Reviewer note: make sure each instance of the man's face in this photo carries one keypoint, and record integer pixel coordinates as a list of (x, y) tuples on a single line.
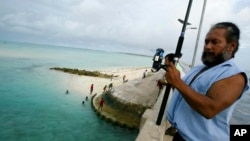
[(167, 63), (216, 49)]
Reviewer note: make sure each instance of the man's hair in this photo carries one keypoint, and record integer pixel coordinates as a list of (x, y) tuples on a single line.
[(170, 57), (232, 34)]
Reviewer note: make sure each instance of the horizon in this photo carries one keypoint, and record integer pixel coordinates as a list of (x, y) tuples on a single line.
[(239, 61)]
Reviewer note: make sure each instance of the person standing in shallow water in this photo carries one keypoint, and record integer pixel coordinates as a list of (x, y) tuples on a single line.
[(206, 96)]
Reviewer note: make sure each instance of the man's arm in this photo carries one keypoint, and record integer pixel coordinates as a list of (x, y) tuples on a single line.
[(221, 94)]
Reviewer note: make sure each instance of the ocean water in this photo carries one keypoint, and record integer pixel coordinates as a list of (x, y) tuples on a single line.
[(33, 106)]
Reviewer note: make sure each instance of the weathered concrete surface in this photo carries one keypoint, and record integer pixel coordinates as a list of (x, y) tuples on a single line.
[(141, 96), (126, 103), (140, 91), (149, 131)]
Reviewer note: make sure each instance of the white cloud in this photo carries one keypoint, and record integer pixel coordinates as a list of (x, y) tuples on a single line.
[(244, 21), (138, 23)]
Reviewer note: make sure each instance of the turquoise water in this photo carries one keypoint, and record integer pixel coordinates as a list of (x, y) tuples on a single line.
[(33, 106)]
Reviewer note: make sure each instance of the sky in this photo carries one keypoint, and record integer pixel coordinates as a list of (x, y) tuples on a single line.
[(137, 26)]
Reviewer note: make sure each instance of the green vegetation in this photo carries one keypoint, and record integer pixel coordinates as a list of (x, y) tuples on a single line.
[(82, 72)]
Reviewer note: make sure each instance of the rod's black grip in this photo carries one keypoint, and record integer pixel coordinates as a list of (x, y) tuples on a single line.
[(163, 105)]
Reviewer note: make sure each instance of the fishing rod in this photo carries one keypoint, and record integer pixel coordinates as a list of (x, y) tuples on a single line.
[(176, 59)]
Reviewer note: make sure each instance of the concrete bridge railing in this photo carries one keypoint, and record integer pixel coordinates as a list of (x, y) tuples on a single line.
[(149, 131)]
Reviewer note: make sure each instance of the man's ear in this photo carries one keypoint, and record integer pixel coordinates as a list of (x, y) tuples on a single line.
[(232, 46)]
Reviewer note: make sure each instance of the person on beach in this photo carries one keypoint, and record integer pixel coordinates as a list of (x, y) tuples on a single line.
[(101, 103), (104, 88), (144, 75), (204, 100), (110, 86), (67, 92), (124, 78), (91, 88), (111, 77)]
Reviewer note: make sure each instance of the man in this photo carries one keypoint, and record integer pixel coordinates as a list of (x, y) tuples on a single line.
[(203, 102), (170, 58)]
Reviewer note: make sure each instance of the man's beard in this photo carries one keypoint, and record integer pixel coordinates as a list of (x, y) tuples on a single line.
[(210, 59)]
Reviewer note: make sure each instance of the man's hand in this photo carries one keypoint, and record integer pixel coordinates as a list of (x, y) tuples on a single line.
[(173, 75)]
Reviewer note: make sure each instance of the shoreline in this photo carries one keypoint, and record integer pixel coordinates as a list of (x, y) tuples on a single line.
[(81, 83)]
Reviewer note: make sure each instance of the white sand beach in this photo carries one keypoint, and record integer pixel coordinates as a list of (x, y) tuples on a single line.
[(82, 84)]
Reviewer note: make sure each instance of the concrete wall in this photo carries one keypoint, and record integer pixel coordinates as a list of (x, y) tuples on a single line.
[(149, 131)]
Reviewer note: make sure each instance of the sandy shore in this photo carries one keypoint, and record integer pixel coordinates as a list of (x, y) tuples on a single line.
[(81, 84)]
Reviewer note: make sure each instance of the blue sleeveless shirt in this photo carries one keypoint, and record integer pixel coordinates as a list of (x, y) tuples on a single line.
[(190, 124)]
